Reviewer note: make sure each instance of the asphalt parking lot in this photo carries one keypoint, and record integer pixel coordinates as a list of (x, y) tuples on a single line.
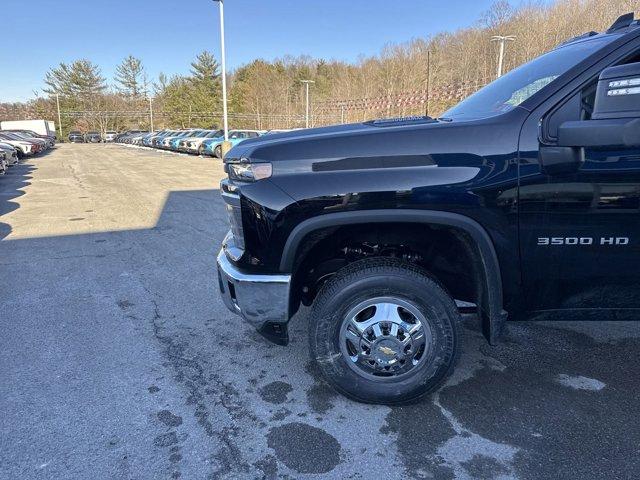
[(118, 360)]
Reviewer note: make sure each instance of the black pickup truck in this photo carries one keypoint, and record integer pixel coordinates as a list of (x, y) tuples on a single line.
[(523, 201)]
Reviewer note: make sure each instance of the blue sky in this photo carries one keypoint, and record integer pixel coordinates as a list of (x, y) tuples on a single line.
[(166, 35)]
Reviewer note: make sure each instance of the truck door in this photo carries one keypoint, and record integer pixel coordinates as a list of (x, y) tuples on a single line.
[(579, 198)]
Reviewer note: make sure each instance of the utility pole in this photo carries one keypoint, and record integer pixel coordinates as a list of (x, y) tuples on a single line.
[(150, 112), (306, 83), (59, 118), (502, 40), (426, 113)]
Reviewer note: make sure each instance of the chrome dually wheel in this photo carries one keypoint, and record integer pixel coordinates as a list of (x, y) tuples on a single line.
[(384, 331), (385, 337)]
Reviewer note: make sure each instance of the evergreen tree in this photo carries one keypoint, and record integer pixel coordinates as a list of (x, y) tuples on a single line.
[(205, 69), (130, 77), (175, 98), (205, 92), (80, 79)]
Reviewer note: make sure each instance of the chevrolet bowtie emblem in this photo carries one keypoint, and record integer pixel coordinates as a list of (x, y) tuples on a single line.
[(387, 351)]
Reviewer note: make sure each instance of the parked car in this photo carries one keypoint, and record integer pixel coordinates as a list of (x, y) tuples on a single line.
[(24, 147), (42, 144), (110, 135), (152, 139), (193, 143), (11, 153), (138, 138), (165, 143), (76, 136), (125, 137), (147, 139), (93, 137), (174, 144), (213, 146), (3, 162), (522, 200), (49, 140)]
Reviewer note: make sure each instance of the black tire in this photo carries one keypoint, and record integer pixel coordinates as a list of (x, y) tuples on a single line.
[(217, 152), (375, 278)]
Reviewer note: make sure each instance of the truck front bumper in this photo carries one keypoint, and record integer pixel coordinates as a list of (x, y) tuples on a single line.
[(262, 300)]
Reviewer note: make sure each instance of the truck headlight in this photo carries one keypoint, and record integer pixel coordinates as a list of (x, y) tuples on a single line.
[(249, 172)]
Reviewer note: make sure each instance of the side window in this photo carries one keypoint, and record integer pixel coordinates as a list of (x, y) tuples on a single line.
[(570, 110)]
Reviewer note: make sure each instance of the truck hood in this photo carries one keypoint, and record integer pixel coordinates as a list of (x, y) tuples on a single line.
[(302, 136), (408, 142)]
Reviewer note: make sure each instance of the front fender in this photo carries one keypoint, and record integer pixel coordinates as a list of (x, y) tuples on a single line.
[(491, 299)]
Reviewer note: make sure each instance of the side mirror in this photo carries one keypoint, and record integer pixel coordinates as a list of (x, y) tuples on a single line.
[(615, 121), (618, 93), (617, 132)]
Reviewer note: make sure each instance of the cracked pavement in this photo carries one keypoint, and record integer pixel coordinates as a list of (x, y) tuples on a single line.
[(118, 360)]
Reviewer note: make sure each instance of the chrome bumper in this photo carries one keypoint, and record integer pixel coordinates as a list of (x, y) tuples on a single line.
[(262, 300)]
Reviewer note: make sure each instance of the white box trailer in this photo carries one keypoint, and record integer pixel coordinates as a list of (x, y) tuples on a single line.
[(42, 127)]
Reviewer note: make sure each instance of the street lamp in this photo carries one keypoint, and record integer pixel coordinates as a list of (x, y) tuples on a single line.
[(224, 76), (306, 83), (502, 40)]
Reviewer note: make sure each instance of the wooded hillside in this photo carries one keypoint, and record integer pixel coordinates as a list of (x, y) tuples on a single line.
[(421, 75)]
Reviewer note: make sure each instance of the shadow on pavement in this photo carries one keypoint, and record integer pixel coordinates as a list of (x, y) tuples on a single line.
[(118, 360), (11, 185)]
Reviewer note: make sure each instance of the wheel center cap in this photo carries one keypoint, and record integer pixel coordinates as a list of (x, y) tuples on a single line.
[(387, 349)]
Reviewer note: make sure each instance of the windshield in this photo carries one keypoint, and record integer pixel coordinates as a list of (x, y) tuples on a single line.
[(513, 88), (11, 136)]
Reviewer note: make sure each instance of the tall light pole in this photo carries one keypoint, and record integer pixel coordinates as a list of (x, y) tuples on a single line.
[(502, 39), (224, 73), (150, 112), (59, 118), (306, 83)]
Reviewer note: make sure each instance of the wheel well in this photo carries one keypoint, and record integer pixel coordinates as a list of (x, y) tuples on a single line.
[(448, 253)]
